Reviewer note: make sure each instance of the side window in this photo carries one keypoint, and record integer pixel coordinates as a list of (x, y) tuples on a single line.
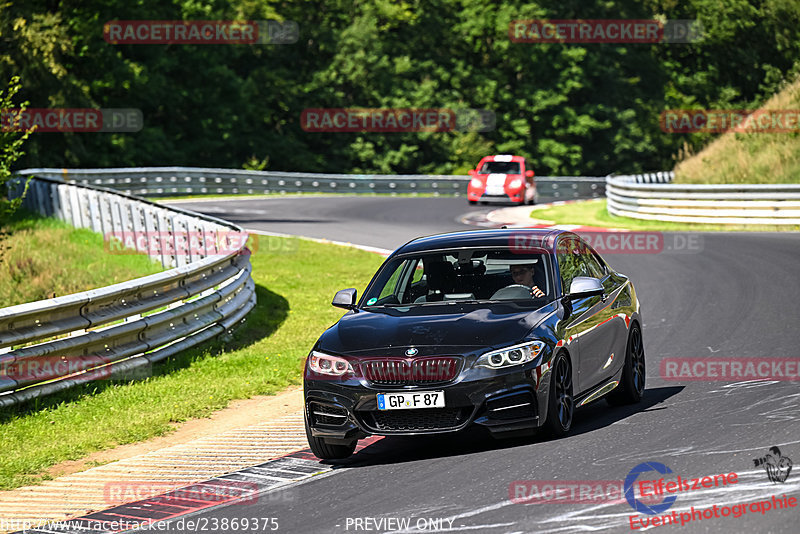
[(576, 259), (391, 284), (593, 264), (418, 273), (569, 265)]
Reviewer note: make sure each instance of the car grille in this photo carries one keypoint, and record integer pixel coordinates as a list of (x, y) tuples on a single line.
[(421, 371), (425, 419)]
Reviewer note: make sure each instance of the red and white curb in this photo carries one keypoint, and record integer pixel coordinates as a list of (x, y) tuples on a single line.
[(259, 483), (520, 217)]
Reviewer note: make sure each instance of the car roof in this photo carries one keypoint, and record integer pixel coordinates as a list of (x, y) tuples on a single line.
[(493, 238)]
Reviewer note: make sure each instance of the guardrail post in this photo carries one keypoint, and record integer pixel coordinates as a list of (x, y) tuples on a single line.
[(66, 206), (39, 196), (116, 217), (94, 212), (156, 245), (167, 239)]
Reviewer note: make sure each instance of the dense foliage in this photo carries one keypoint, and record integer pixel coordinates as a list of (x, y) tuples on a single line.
[(572, 109), (10, 151)]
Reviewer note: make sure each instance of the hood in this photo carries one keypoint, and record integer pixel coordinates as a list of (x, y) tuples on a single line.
[(498, 180), (469, 327)]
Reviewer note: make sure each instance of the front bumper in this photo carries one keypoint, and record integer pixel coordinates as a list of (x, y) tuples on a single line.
[(504, 197), (501, 401)]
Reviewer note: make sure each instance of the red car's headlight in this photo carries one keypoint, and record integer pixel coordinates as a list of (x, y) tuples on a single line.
[(475, 183)]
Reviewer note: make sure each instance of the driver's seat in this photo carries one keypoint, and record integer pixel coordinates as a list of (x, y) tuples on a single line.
[(441, 279)]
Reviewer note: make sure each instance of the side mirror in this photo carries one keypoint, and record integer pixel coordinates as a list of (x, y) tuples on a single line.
[(529, 173), (346, 298), (472, 172), (585, 286)]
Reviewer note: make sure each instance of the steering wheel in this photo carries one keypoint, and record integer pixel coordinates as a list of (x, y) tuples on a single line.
[(512, 292)]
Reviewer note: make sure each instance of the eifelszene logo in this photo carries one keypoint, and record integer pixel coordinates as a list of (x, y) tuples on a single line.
[(636, 504), (777, 466)]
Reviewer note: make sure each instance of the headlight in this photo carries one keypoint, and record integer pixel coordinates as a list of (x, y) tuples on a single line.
[(475, 183), (326, 364), (515, 355), (515, 184)]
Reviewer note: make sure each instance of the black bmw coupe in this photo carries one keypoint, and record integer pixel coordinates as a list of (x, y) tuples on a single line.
[(510, 329)]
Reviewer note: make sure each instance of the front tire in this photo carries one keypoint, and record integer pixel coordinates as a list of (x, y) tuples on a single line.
[(472, 202), (327, 451), (561, 403), (631, 385)]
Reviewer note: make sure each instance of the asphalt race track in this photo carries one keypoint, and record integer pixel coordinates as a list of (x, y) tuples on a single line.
[(384, 222), (737, 296)]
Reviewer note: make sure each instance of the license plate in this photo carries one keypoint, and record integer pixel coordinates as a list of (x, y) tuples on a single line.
[(411, 400)]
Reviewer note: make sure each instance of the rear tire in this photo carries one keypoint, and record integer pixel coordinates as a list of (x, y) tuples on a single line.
[(327, 451), (561, 403), (631, 386)]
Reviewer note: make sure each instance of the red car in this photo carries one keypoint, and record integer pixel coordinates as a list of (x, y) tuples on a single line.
[(502, 178)]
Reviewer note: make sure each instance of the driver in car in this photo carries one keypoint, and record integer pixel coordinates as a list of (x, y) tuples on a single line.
[(523, 275)]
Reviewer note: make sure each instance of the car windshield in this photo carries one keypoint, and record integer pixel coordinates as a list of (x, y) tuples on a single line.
[(500, 167), (486, 275)]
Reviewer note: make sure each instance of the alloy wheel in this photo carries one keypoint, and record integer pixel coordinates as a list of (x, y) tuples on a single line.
[(564, 397)]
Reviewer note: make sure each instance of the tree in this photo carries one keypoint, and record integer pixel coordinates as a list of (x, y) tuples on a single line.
[(11, 142)]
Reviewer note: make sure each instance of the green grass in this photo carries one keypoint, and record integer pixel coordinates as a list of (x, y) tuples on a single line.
[(594, 213), (41, 258), (749, 158), (294, 283)]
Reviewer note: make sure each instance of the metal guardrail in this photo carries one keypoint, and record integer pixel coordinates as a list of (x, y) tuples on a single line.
[(176, 181), (650, 177), (699, 203), (50, 345)]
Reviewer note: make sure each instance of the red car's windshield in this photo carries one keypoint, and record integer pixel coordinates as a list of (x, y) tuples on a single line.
[(500, 167)]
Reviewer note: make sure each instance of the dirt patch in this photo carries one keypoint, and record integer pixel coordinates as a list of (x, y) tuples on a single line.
[(240, 413)]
